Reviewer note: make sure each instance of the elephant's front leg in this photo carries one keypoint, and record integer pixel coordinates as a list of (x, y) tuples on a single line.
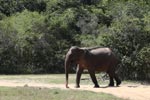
[(93, 77), (78, 76)]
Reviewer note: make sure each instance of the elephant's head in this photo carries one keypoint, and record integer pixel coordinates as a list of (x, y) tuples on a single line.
[(73, 56)]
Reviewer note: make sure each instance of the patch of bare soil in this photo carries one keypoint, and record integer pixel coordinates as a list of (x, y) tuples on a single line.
[(127, 91)]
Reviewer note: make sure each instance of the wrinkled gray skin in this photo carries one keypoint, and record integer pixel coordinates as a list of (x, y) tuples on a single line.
[(92, 59)]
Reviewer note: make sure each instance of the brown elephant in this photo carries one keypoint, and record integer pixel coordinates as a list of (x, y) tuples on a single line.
[(92, 59)]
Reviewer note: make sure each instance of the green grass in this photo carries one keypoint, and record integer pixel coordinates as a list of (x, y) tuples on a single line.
[(52, 78), (30, 93), (59, 79)]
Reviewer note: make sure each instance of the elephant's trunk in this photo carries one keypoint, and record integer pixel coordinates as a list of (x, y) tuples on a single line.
[(67, 64)]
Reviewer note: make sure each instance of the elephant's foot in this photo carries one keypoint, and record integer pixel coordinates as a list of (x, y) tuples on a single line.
[(118, 83), (96, 86), (111, 85), (77, 86), (67, 86)]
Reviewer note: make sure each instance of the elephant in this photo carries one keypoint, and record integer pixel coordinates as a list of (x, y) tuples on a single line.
[(98, 59)]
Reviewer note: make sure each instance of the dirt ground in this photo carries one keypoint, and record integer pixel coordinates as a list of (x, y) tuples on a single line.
[(127, 91)]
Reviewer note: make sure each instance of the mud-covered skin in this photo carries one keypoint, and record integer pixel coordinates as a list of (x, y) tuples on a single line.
[(96, 59)]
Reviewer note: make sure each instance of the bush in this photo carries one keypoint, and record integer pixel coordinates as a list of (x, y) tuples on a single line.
[(143, 68), (127, 36), (17, 41), (36, 43), (9, 7)]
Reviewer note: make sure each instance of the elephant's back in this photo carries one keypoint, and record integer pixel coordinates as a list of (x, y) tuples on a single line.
[(102, 56), (101, 51)]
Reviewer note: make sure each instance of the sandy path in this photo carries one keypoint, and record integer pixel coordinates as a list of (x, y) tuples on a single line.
[(132, 91)]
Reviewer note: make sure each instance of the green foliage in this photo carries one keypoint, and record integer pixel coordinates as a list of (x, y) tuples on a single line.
[(143, 66), (18, 40), (144, 55), (9, 7), (128, 36), (146, 20), (38, 42), (129, 29)]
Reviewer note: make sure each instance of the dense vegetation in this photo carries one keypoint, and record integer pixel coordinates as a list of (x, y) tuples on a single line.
[(36, 34)]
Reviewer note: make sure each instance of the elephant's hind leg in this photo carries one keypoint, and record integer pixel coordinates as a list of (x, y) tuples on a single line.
[(111, 80), (118, 81), (112, 76), (93, 77)]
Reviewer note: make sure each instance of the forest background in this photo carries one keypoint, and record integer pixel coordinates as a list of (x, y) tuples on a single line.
[(36, 34)]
